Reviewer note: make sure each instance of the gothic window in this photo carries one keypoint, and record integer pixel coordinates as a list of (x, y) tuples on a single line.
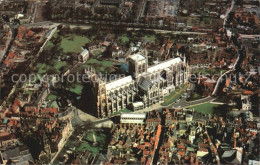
[(130, 99), (143, 67), (139, 69), (102, 91), (104, 101), (152, 77), (110, 94), (116, 92)]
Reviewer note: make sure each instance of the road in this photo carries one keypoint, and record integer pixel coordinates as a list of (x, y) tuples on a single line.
[(35, 11), (45, 24), (185, 104), (169, 31), (228, 11), (141, 9), (9, 40)]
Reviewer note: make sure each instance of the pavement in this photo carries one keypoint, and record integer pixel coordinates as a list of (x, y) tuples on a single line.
[(45, 24), (85, 117)]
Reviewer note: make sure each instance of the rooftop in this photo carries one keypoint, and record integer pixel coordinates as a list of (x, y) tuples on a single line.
[(119, 82), (164, 65), (137, 57), (84, 52), (131, 115)]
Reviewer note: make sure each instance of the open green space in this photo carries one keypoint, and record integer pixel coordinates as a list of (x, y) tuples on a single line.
[(97, 52), (150, 38), (77, 88), (42, 68), (59, 64), (99, 66), (88, 141), (124, 39), (174, 95), (28, 92), (52, 97), (211, 71), (207, 108), (70, 43), (73, 43), (56, 66), (54, 104)]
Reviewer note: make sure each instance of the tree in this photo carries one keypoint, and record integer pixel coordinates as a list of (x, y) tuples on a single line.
[(56, 40), (222, 110), (77, 30), (51, 71)]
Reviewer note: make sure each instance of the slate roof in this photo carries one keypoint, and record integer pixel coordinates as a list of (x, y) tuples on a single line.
[(145, 84)]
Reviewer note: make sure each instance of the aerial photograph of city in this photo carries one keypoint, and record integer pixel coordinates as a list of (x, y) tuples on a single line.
[(149, 82)]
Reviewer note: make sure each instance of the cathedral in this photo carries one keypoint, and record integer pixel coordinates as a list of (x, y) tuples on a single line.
[(145, 85)]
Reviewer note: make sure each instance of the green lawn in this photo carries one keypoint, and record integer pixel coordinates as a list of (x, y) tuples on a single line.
[(97, 52), (52, 97), (54, 104), (207, 108), (28, 92), (149, 38), (88, 145), (121, 111), (42, 68), (99, 66), (59, 64), (73, 43), (174, 95), (124, 39), (211, 71), (77, 89)]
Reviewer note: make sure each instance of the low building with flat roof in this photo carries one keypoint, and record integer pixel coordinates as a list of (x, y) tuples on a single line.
[(132, 118)]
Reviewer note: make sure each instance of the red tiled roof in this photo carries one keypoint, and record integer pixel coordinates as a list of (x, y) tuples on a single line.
[(203, 149), (247, 92), (50, 110), (153, 120), (202, 145)]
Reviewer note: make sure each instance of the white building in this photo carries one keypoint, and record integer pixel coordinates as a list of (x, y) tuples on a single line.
[(246, 103), (138, 105), (132, 118), (83, 56)]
